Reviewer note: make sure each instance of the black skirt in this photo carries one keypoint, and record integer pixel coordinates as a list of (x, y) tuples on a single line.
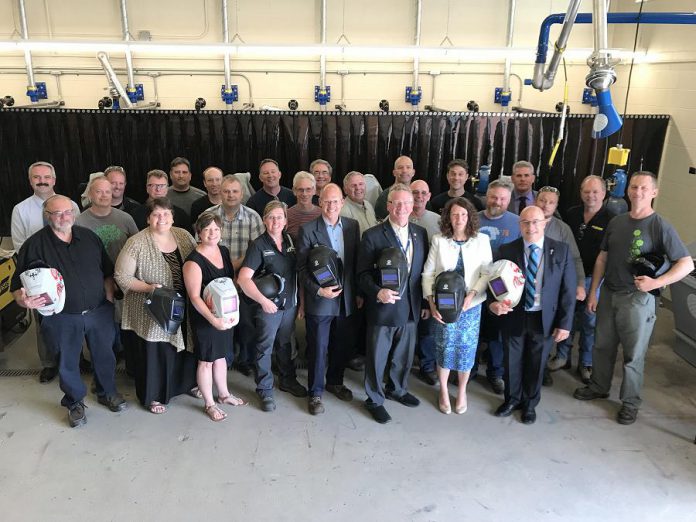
[(160, 371)]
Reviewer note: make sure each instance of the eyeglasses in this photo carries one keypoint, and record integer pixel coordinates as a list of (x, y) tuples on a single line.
[(549, 188), (533, 222), (61, 213), (158, 186)]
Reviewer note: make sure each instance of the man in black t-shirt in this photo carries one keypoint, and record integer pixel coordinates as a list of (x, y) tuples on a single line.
[(457, 175)]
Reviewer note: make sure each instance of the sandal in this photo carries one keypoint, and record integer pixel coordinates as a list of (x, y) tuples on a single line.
[(157, 408), (232, 400), (215, 413), (195, 392)]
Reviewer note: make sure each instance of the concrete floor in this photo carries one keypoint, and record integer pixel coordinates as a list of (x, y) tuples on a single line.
[(575, 463)]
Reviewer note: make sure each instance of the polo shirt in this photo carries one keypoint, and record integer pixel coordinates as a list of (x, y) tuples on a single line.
[(263, 256), (259, 200), (437, 203), (588, 236), (83, 263)]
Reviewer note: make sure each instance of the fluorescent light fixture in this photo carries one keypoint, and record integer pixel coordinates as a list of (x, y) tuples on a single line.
[(468, 54)]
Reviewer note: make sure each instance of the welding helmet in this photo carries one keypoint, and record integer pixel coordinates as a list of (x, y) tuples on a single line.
[(166, 306), (392, 270), (652, 265), (222, 298), (40, 280), (506, 282), (271, 286), (450, 292), (325, 265)]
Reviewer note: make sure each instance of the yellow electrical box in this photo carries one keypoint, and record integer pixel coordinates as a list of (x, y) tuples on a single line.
[(7, 268), (618, 156)]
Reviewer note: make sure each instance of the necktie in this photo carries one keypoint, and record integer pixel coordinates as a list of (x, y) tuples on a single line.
[(530, 277), (522, 204)]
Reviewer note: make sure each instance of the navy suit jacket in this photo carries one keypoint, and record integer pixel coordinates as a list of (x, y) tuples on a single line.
[(314, 233), (557, 287), (374, 240)]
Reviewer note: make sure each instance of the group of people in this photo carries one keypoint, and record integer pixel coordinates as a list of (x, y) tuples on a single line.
[(117, 252)]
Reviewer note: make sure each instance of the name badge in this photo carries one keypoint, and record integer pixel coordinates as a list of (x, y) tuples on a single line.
[(267, 253)]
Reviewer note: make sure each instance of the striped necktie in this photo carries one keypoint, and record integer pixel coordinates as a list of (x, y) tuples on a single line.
[(530, 276)]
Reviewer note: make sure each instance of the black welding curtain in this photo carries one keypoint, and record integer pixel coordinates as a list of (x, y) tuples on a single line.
[(78, 142)]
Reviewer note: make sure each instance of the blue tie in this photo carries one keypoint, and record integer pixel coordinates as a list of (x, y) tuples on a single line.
[(530, 276)]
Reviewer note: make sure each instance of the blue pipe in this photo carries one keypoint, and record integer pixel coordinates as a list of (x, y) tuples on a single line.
[(612, 18)]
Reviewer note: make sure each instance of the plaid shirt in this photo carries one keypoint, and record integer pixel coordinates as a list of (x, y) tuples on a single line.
[(239, 231)]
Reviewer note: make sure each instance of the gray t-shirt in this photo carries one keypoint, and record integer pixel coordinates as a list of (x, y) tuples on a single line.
[(113, 230), (560, 231), (430, 221), (627, 238), (184, 200)]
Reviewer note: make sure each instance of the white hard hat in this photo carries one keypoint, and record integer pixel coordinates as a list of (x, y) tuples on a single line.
[(221, 296), (47, 283), (506, 281)]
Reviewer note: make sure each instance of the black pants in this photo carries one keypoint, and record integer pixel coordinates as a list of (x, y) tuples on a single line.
[(525, 360), (64, 332), (327, 350)]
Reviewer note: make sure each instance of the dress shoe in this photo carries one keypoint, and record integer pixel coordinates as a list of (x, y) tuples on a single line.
[(497, 384), (47, 375), (506, 409), (268, 404), (340, 391), (76, 415), (445, 407), (429, 378), (380, 414), (585, 373), (627, 415), (587, 394), (547, 380), (114, 402), (406, 399), (357, 364), (293, 388), (528, 416), (315, 406), (557, 363)]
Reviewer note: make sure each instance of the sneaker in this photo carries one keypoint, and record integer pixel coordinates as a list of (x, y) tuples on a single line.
[(114, 402), (76, 414), (315, 406), (47, 375), (293, 388), (497, 384), (557, 363), (627, 415), (585, 374), (268, 404), (588, 394)]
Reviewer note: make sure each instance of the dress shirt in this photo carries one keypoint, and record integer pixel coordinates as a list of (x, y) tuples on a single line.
[(539, 275), (336, 237), (27, 219), (405, 241), (239, 231)]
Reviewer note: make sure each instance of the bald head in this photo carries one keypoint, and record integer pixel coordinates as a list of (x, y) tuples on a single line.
[(331, 202), (421, 196), (403, 170), (59, 212), (532, 224)]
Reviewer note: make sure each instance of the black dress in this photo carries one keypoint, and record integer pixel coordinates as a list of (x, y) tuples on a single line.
[(210, 343)]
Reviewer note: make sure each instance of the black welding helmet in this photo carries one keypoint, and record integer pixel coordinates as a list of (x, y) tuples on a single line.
[(271, 286), (325, 265), (651, 265), (450, 292), (166, 306), (392, 270)]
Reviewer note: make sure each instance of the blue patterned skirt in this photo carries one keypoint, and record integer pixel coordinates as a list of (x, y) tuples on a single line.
[(456, 343)]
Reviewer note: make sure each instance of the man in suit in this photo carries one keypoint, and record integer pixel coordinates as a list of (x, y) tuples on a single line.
[(523, 178), (392, 318), (543, 316), (328, 310)]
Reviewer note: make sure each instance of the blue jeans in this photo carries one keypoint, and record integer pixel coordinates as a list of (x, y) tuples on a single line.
[(585, 321)]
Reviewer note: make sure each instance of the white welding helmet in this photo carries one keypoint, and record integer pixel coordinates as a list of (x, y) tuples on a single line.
[(47, 283), (221, 296), (506, 282)]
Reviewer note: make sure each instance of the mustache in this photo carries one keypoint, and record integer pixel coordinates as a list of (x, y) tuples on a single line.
[(42, 184)]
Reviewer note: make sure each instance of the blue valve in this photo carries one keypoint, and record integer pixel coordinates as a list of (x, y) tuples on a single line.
[(229, 96), (413, 96), (589, 97), (502, 97), (38, 92), (135, 94), (322, 96)]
